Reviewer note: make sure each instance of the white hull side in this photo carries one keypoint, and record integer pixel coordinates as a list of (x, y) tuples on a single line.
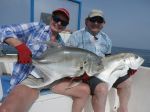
[(139, 101)]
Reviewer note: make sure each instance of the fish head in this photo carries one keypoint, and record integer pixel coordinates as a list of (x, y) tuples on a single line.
[(133, 61)]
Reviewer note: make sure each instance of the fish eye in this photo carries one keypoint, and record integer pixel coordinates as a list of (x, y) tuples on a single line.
[(136, 56), (85, 62), (81, 68)]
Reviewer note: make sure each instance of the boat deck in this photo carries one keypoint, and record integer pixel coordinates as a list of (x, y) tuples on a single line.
[(139, 101)]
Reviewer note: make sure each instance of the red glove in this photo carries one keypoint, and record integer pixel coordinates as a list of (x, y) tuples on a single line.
[(131, 72), (24, 54)]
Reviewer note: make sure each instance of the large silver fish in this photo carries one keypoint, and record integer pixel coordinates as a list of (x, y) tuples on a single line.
[(59, 62), (117, 65)]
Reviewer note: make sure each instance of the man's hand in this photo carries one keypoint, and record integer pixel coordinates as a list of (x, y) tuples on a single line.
[(24, 54), (131, 72)]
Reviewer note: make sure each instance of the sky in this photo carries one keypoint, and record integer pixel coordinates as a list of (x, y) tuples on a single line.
[(127, 21)]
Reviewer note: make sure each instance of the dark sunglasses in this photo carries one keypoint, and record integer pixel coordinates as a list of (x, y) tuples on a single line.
[(96, 19), (57, 19)]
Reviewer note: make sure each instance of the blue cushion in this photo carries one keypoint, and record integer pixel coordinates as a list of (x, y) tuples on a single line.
[(5, 84)]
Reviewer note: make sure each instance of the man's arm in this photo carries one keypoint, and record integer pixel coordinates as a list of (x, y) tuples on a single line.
[(13, 41), (14, 35), (24, 53)]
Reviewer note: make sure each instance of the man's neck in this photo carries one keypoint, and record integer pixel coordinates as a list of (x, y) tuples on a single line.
[(54, 36), (92, 33)]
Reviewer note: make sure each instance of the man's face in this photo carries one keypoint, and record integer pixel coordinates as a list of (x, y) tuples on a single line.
[(95, 24), (58, 22)]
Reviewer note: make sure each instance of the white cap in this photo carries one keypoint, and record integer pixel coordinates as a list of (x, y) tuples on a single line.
[(96, 12)]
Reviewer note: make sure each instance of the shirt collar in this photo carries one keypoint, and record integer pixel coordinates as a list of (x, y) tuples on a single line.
[(90, 34)]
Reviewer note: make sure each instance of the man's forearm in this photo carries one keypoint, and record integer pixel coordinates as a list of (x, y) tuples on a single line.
[(13, 42)]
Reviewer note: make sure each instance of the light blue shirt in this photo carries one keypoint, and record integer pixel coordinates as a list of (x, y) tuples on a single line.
[(83, 39)]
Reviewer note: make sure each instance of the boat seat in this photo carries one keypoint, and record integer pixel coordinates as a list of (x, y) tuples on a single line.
[(4, 85)]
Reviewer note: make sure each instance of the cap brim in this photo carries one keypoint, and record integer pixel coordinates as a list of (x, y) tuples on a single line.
[(57, 11)]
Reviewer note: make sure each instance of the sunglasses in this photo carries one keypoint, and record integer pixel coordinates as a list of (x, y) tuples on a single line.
[(57, 19), (96, 19)]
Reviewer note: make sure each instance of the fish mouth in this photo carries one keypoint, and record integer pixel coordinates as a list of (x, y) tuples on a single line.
[(141, 61), (137, 63)]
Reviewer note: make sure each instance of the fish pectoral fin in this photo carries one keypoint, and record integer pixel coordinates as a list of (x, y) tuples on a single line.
[(120, 71), (37, 78), (40, 79)]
